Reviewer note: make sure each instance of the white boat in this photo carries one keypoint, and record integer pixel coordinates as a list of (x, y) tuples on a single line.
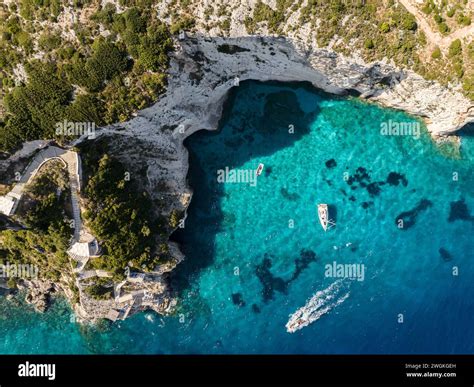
[(259, 170), (323, 215), (317, 306)]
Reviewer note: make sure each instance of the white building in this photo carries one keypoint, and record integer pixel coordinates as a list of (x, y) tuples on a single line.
[(7, 204), (85, 249)]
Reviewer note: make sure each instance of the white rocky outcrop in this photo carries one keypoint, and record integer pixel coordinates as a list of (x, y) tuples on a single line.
[(204, 69)]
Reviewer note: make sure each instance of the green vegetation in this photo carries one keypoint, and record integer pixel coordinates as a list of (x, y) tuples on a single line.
[(35, 107), (120, 216), (182, 23), (455, 48), (87, 75), (436, 54), (463, 20), (92, 78), (101, 289), (378, 28), (369, 44), (106, 61), (46, 240), (448, 15), (455, 53)]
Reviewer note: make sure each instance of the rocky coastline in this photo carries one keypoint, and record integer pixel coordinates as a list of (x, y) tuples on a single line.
[(202, 72)]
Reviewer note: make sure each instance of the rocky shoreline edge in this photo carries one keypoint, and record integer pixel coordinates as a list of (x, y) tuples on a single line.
[(202, 72)]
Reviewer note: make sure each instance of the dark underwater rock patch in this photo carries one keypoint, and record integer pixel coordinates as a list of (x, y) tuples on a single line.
[(272, 283), (238, 300), (460, 211), (395, 178), (255, 308), (374, 188), (289, 195), (301, 263), (409, 217), (366, 205), (445, 255), (229, 218), (360, 176), (331, 163), (362, 179)]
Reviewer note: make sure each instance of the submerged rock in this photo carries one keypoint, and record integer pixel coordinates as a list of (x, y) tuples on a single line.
[(270, 282), (331, 163), (445, 255), (237, 299), (460, 211), (289, 195), (407, 219), (255, 308), (395, 178)]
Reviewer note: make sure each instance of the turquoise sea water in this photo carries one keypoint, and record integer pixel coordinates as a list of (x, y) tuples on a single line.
[(255, 254)]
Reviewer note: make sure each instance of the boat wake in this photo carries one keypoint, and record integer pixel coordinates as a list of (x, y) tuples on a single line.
[(321, 303)]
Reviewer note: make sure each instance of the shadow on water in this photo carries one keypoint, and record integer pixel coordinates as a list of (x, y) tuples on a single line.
[(467, 130), (256, 122), (332, 213)]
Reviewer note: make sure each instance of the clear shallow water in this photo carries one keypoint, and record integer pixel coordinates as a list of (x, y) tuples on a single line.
[(239, 229)]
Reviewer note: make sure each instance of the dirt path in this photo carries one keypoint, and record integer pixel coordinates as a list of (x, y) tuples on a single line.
[(435, 38)]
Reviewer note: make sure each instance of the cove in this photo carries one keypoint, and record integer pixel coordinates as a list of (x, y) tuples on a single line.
[(256, 253)]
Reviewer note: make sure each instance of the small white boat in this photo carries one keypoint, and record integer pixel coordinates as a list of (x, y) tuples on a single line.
[(323, 215), (259, 170)]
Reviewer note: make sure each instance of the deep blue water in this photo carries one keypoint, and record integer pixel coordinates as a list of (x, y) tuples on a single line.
[(255, 254)]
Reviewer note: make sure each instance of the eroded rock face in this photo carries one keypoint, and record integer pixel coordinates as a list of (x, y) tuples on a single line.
[(202, 73), (38, 293)]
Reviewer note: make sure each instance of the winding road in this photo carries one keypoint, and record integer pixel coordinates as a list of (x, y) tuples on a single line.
[(71, 161)]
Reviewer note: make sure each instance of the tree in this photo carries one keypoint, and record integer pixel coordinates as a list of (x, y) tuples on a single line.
[(369, 44), (385, 27), (119, 215), (409, 22), (134, 21), (154, 48), (455, 48), (436, 54), (443, 28), (107, 61)]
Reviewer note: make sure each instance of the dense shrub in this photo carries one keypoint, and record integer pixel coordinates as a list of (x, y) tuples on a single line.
[(455, 48), (436, 54), (120, 217)]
